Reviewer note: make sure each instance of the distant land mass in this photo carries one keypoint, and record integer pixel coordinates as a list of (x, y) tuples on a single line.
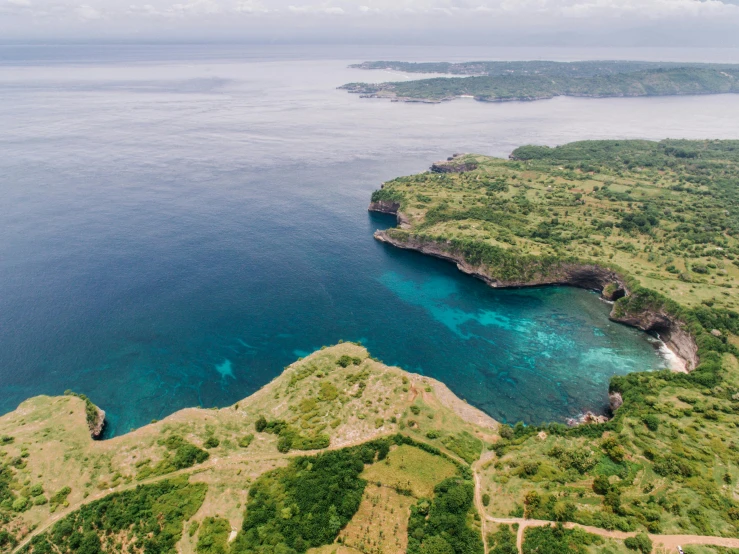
[(493, 81)]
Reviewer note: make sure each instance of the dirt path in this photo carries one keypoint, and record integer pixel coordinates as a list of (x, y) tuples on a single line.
[(188, 471), (669, 542), (479, 505)]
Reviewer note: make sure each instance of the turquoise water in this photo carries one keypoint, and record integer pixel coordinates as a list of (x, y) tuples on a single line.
[(174, 233)]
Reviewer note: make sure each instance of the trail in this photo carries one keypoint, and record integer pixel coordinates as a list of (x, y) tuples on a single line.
[(479, 505), (209, 464), (671, 542)]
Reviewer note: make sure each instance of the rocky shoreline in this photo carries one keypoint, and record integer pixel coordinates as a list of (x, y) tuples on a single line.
[(607, 282), (98, 425)]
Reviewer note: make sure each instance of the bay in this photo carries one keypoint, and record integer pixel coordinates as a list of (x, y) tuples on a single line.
[(178, 223)]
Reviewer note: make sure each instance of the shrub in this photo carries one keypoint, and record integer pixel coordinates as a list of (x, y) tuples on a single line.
[(21, 504), (245, 441), (6, 539), (444, 518), (213, 536), (506, 432), (346, 361), (261, 424), (601, 485), (211, 442), (652, 422), (613, 449), (503, 541), (640, 542), (486, 499), (558, 540), (188, 455), (60, 496)]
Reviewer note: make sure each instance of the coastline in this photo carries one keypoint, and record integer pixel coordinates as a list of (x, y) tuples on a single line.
[(677, 345)]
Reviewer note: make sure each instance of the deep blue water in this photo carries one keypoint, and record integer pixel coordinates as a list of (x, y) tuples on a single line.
[(175, 229)]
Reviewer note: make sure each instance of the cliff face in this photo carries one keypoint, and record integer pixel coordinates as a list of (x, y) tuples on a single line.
[(96, 426), (450, 166), (672, 333), (392, 208), (584, 276), (589, 276)]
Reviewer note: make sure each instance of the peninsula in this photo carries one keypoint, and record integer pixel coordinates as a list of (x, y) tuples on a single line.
[(538, 80)]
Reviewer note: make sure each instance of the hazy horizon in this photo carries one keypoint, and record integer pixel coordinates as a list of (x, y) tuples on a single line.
[(669, 23)]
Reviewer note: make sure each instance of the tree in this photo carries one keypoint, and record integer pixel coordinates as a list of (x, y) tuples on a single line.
[(640, 542), (601, 485), (436, 545)]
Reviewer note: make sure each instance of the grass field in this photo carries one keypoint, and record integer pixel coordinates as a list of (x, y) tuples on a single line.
[(410, 469)]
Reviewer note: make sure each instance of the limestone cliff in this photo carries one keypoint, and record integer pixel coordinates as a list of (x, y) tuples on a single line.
[(608, 282)]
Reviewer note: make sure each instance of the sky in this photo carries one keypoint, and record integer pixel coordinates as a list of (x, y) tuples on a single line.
[(686, 23)]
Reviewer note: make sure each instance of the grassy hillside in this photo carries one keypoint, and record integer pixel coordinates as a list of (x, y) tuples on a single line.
[(662, 216), (504, 81), (338, 397), (667, 211)]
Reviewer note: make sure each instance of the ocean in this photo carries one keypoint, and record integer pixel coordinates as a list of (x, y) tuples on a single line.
[(179, 223)]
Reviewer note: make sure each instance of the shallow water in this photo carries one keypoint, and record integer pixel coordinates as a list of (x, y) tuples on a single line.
[(176, 225)]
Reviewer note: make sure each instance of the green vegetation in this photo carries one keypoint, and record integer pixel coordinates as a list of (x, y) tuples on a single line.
[(658, 210), (91, 411), (246, 440), (213, 536), (640, 542), (503, 81), (442, 524), (410, 470), (558, 540), (464, 445), (180, 454), (48, 462), (149, 517), (503, 541), (556, 70), (307, 503), (290, 438)]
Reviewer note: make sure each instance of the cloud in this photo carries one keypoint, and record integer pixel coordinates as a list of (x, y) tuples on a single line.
[(88, 13), (385, 20), (250, 7), (320, 9)]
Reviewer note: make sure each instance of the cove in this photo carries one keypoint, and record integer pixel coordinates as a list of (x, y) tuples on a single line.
[(179, 240)]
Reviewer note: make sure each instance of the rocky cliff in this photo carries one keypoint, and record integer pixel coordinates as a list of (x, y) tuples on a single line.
[(97, 425), (610, 284), (391, 208)]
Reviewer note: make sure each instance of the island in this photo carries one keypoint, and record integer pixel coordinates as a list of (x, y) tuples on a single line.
[(344, 454), (538, 80)]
